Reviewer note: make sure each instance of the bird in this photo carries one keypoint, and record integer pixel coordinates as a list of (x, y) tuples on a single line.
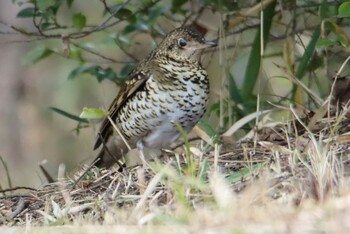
[(169, 87)]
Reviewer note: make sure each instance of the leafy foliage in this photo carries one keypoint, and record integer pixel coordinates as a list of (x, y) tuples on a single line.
[(91, 113), (344, 10), (97, 71), (37, 54), (275, 32)]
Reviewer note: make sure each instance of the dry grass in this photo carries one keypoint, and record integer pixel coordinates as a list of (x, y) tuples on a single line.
[(291, 178)]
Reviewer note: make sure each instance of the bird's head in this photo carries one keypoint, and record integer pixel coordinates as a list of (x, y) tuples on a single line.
[(185, 43)]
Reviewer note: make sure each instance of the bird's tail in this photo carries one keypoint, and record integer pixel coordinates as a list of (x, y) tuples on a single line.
[(109, 155)]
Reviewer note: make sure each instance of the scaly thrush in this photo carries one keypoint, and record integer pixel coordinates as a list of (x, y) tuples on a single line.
[(169, 87)]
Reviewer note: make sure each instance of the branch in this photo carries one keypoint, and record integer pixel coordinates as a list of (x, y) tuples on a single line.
[(250, 12), (77, 35), (98, 54)]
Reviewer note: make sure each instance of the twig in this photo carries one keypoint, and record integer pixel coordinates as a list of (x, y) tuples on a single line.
[(251, 11), (37, 26), (182, 143), (119, 132), (17, 188), (21, 205), (99, 55), (77, 35)]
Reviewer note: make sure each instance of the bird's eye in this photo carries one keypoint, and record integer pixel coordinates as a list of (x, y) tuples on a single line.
[(182, 42)]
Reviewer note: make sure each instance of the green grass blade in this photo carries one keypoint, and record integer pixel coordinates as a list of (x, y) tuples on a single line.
[(4, 165), (233, 90), (237, 98), (203, 172), (238, 176), (190, 165), (253, 68), (309, 51), (68, 115), (254, 61), (307, 56)]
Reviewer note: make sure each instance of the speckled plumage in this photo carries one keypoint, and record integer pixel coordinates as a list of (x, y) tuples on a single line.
[(170, 86)]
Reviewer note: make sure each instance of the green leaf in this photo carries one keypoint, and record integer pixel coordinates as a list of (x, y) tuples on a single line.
[(139, 25), (81, 70), (38, 53), (123, 13), (342, 40), (327, 10), (69, 3), (330, 26), (155, 13), (235, 177), (238, 176), (176, 6), (76, 53), (315, 62), (125, 71), (79, 21), (92, 113), (49, 15), (230, 5), (68, 115), (46, 25), (147, 2), (105, 74), (253, 66), (324, 43), (26, 13), (44, 4), (97, 71), (209, 130), (344, 10)]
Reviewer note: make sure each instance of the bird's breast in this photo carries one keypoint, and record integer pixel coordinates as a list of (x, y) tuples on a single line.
[(182, 101), (179, 97)]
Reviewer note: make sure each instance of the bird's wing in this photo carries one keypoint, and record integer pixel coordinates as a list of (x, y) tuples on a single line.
[(134, 84)]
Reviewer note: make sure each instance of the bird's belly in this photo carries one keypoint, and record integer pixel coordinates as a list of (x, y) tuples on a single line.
[(152, 118), (161, 136), (165, 130), (186, 111)]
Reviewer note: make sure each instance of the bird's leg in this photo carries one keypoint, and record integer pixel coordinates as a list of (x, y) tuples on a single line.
[(164, 154), (140, 146)]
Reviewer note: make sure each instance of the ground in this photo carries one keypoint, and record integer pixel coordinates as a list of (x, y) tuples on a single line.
[(291, 177)]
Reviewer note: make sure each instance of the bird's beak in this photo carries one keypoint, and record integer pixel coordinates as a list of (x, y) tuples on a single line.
[(212, 43)]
